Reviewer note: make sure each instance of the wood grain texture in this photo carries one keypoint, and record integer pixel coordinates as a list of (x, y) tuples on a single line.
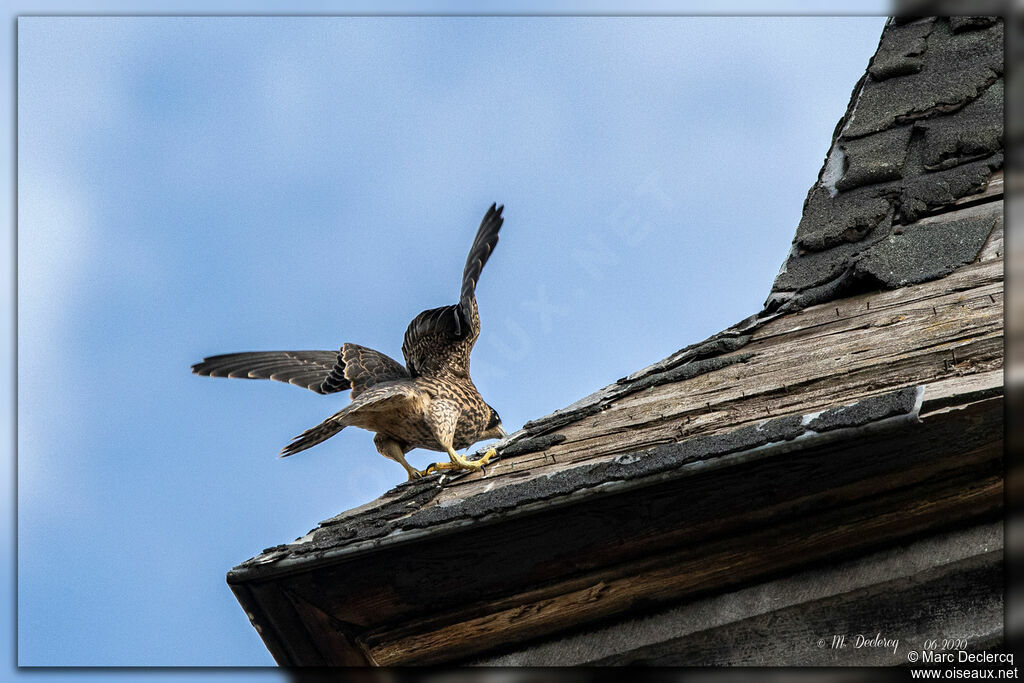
[(826, 355), (785, 611)]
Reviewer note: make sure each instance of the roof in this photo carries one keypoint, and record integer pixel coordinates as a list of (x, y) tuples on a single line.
[(924, 131), (875, 364)]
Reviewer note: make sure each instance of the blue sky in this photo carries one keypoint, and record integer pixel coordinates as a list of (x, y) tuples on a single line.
[(192, 186)]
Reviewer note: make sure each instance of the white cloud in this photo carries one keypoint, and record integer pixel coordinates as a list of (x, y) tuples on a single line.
[(53, 248)]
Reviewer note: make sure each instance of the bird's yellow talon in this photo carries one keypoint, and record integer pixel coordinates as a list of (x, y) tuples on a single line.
[(487, 456), (439, 466)]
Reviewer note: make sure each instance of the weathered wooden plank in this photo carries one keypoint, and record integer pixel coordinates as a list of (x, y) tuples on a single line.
[(689, 572), (279, 634), (942, 393), (334, 646), (994, 246), (684, 416), (706, 404), (916, 333), (914, 323)]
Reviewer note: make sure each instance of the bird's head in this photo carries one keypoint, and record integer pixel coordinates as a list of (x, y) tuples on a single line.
[(494, 429)]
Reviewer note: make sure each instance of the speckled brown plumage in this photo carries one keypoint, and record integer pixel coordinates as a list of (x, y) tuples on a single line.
[(430, 402)]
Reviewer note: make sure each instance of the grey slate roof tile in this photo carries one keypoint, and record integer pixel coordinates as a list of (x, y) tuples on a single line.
[(957, 68), (959, 24), (901, 49), (920, 195), (816, 268), (926, 251), (875, 159), (976, 131), (829, 222)]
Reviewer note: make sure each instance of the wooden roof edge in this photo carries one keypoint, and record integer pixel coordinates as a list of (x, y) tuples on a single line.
[(747, 518), (893, 466), (762, 440)]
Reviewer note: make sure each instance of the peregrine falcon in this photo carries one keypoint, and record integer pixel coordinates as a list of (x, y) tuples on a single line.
[(430, 402)]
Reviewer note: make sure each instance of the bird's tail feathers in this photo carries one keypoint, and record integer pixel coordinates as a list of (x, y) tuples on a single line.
[(373, 399), (314, 435)]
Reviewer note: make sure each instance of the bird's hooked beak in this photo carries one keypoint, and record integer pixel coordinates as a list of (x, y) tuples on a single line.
[(495, 432)]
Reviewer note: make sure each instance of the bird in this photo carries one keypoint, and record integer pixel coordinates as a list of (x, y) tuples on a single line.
[(430, 402)]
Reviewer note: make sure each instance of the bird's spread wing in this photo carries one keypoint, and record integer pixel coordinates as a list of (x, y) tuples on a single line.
[(383, 397), (483, 246), (325, 372), (306, 369), (438, 341), (360, 368)]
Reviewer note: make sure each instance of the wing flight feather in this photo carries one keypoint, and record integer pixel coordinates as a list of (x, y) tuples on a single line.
[(438, 341)]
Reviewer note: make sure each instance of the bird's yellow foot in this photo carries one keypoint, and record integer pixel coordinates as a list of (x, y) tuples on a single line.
[(487, 456), (439, 466), (460, 463), (463, 464)]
